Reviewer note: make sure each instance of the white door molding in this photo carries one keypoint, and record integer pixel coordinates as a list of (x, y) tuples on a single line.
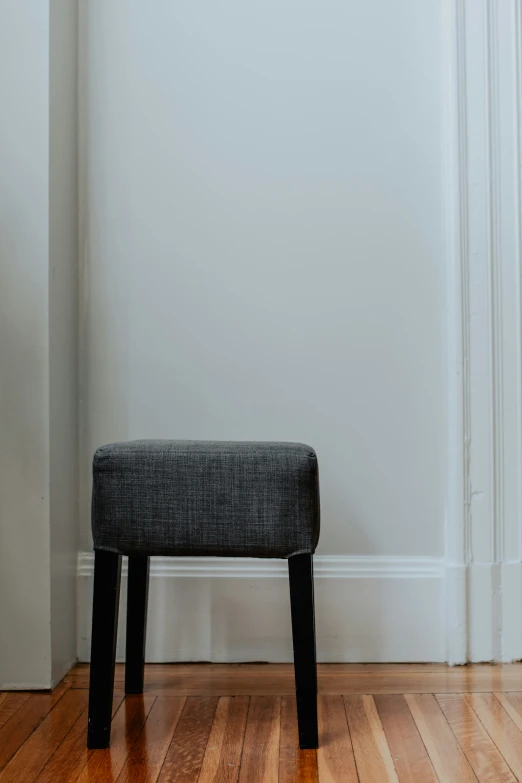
[(483, 146)]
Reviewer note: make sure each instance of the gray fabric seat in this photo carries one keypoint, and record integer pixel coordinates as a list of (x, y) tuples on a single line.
[(228, 499)]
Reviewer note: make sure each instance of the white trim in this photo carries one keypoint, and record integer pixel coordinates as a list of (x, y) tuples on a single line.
[(26, 686), (368, 609), (483, 154), (516, 537), (63, 670), (458, 518), (511, 611), (495, 284), (325, 566)]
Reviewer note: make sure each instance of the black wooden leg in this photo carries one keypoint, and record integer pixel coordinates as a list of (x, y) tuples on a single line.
[(137, 594), (300, 570), (107, 571)]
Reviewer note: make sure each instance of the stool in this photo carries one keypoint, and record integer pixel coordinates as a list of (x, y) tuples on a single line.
[(198, 498)]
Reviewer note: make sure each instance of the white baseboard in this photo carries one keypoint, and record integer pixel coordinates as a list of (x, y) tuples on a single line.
[(495, 612), (511, 610), (368, 609), (61, 671), (484, 612)]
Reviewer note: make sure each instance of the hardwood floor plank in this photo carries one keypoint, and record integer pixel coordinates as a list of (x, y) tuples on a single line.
[(410, 757), (106, 765), (32, 756), (295, 765), (10, 703), (146, 757), (470, 734), (222, 758), (480, 750), (500, 727), (26, 719), (335, 758), (447, 757), (260, 758), (372, 755), (185, 755), (66, 764), (512, 703)]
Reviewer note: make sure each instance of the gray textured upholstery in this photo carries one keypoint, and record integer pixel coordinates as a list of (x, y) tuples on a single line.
[(205, 498)]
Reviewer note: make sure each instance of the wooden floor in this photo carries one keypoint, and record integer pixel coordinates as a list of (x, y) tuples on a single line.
[(223, 723)]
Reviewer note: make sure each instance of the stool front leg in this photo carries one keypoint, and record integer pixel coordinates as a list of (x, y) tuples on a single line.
[(107, 573), (137, 599), (300, 570)]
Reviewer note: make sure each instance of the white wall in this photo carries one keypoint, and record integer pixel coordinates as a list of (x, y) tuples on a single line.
[(263, 256), (263, 251), (25, 649), (38, 342)]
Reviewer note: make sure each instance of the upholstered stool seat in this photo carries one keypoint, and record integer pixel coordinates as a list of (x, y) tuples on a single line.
[(205, 498), (198, 498)]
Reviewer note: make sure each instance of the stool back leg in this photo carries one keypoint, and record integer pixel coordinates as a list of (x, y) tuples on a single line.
[(137, 599), (300, 570), (107, 573)]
